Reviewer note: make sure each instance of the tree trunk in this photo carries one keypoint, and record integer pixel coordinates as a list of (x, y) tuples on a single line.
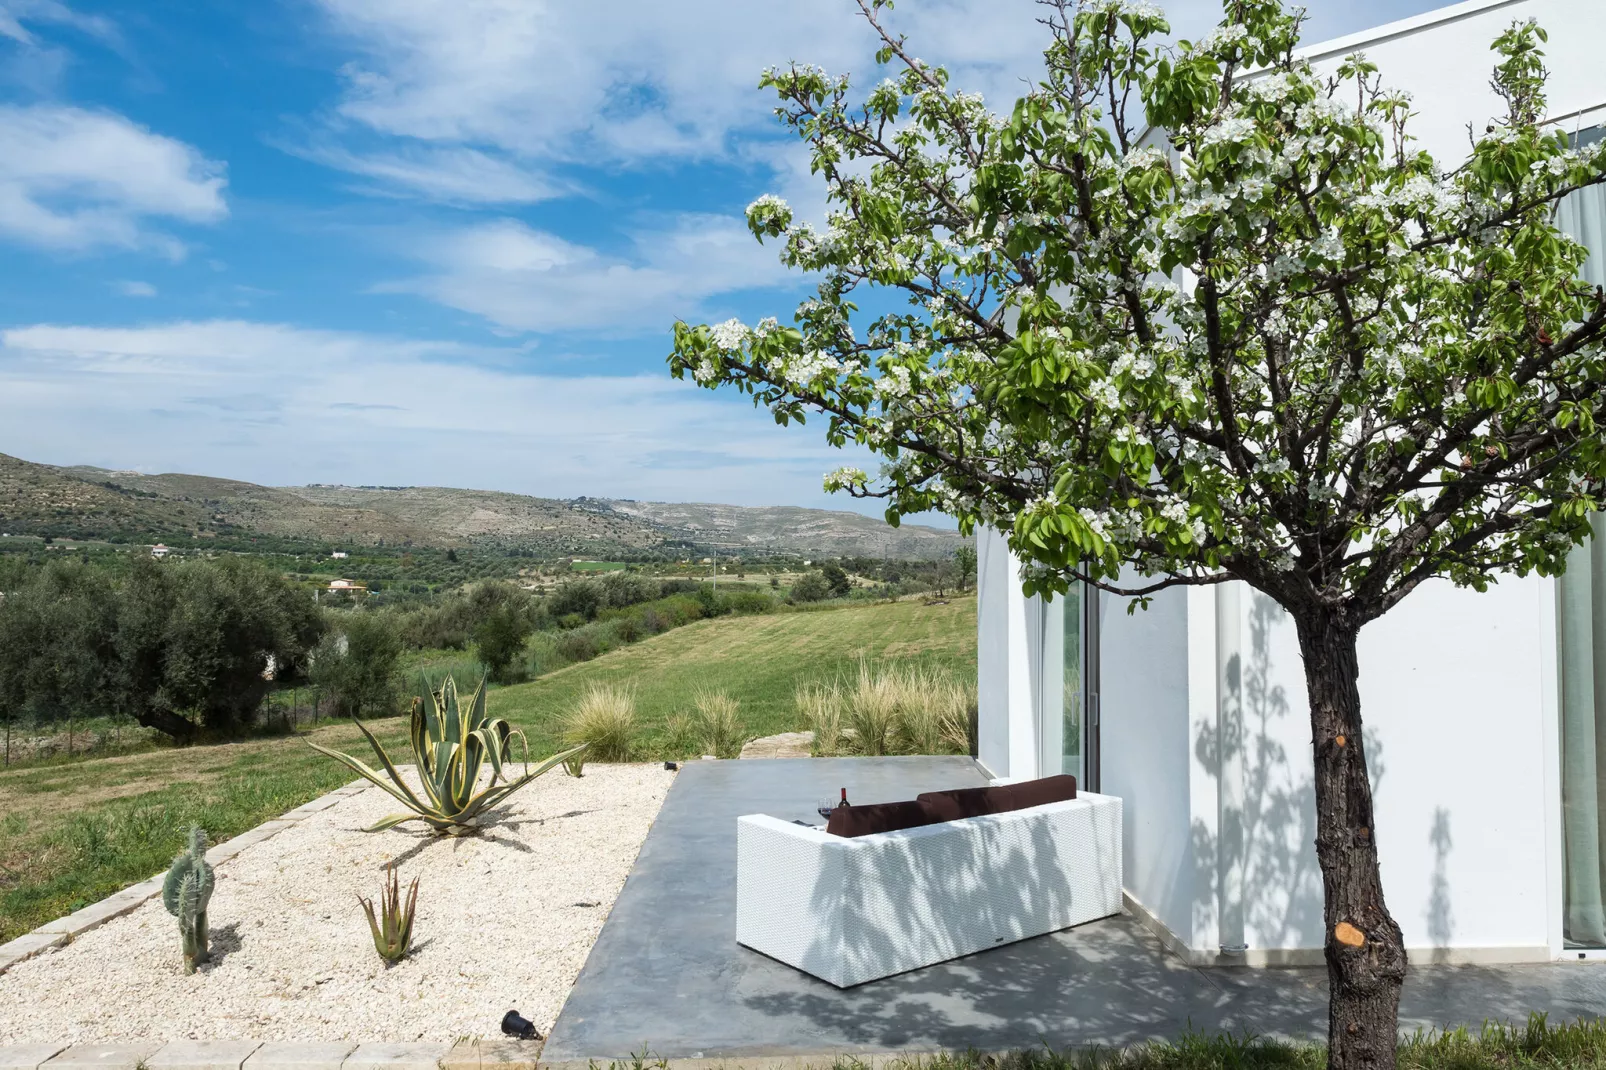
[(1365, 951), (180, 728)]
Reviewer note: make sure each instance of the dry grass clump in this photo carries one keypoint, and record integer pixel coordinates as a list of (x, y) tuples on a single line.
[(889, 709), (821, 707), (680, 734), (606, 719), (718, 724)]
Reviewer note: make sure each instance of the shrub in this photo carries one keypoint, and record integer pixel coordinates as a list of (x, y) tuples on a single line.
[(812, 587), (620, 589), (359, 665), (577, 646), (719, 724), (628, 629), (747, 602), (581, 598), (606, 719)]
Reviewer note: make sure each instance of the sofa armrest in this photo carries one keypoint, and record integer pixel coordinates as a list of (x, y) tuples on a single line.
[(789, 891)]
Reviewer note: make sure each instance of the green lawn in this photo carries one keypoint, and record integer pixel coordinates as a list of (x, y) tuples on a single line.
[(758, 660), (73, 830)]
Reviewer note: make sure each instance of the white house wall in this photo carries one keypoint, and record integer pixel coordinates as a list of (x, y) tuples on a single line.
[(1019, 667), (1145, 742), (1443, 59), (1453, 696)]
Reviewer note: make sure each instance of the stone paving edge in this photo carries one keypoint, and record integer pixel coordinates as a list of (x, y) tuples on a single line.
[(488, 1053)]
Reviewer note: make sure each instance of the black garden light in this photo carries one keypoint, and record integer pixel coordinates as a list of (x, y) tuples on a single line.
[(516, 1025)]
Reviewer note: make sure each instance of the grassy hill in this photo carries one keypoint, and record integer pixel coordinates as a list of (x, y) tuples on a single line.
[(83, 502), (74, 831), (759, 661)]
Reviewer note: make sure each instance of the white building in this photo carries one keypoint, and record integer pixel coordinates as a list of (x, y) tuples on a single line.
[(1481, 709)]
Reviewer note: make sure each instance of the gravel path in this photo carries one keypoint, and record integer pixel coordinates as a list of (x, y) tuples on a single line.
[(505, 919)]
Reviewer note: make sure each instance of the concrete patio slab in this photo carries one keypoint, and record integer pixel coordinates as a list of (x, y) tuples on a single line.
[(26, 1056), (667, 977), (104, 1056), (203, 1055), (305, 1055)]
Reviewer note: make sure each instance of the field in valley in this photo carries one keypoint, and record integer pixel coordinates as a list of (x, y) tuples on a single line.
[(75, 830)]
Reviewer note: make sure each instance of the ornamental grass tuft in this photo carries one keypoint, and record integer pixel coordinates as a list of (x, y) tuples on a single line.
[(605, 721), (718, 724), (888, 709)]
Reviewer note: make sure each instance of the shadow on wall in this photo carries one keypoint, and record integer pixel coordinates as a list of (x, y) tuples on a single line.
[(1281, 879), (1440, 915)]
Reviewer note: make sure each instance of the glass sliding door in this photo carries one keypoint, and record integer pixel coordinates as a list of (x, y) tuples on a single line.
[(1079, 704), (1581, 657)]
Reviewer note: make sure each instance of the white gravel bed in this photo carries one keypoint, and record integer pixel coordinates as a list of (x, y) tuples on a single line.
[(505, 919)]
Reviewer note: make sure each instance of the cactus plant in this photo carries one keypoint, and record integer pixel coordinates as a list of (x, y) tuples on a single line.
[(453, 740), (393, 929), (186, 893)]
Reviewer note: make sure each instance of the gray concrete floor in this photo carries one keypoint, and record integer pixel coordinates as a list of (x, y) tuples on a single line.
[(667, 976)]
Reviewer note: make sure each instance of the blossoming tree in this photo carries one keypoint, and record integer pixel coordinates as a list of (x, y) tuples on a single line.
[(1278, 343)]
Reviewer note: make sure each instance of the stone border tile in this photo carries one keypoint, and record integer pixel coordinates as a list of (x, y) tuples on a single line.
[(493, 1053), (396, 1057), (203, 1055), (305, 1055), (56, 933), (27, 946), (27, 1056), (104, 1056)]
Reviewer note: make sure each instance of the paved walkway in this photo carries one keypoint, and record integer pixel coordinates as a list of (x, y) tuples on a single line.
[(667, 975)]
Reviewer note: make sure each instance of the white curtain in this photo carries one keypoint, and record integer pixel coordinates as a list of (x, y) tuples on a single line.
[(1581, 598)]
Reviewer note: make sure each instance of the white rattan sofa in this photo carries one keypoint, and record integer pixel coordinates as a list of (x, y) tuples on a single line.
[(852, 910)]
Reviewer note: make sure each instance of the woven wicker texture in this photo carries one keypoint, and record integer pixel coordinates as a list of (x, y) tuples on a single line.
[(852, 910)]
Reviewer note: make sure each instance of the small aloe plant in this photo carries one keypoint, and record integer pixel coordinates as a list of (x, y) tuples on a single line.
[(453, 741), (186, 891), (392, 929)]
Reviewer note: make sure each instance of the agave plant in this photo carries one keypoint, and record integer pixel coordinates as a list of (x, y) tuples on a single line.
[(453, 742)]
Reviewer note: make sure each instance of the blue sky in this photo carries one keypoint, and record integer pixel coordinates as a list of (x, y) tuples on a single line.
[(425, 241)]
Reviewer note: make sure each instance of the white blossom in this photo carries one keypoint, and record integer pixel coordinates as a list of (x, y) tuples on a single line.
[(843, 478), (729, 335)]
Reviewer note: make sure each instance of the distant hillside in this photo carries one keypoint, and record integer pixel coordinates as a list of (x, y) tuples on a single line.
[(832, 533), (84, 502)]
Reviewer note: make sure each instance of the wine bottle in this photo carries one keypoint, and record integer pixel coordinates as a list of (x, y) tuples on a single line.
[(844, 801)]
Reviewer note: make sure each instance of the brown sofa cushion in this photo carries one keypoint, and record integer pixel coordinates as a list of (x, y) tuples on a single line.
[(875, 817), (1049, 789), (962, 802)]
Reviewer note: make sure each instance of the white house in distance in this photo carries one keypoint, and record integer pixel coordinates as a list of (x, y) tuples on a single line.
[(1486, 713)]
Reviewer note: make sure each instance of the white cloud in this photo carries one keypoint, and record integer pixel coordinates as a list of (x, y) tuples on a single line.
[(555, 80), (452, 175), (551, 81), (73, 179), (279, 404), (529, 280), (13, 13), (135, 288)]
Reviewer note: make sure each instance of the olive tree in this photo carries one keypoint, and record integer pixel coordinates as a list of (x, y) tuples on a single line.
[(1197, 313)]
